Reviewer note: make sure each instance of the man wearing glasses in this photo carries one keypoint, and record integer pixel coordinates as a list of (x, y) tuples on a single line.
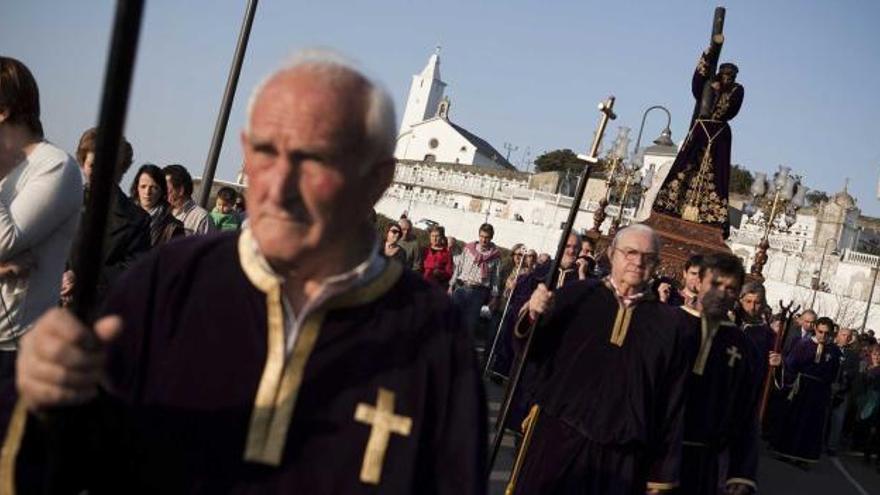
[(607, 396)]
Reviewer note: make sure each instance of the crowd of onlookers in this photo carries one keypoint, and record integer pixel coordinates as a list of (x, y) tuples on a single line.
[(42, 196), (487, 284)]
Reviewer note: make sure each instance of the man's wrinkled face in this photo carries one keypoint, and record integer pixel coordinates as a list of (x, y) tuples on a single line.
[(692, 279), (718, 293), (751, 304), (303, 159), (822, 332), (633, 259), (808, 322)]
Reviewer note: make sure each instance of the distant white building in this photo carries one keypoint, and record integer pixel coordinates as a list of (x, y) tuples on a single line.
[(427, 134), (816, 262)]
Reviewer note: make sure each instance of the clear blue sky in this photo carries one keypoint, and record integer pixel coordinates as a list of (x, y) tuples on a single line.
[(529, 73)]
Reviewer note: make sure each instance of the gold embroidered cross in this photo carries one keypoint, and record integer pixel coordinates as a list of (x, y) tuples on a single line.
[(732, 351), (384, 422)]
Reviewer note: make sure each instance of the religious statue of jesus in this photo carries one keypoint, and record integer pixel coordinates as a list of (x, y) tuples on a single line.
[(696, 188)]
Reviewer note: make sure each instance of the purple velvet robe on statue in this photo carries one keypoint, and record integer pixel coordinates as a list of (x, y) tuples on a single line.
[(700, 174)]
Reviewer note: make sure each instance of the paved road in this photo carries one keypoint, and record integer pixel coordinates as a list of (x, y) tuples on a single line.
[(844, 475)]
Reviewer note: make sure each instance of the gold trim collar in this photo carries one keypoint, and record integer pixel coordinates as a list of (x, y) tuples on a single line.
[(282, 378)]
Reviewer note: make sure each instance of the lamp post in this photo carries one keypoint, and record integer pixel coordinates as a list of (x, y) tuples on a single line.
[(817, 280), (784, 195), (876, 270), (665, 138)]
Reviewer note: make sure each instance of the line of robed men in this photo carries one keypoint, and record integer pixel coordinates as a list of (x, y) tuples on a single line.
[(624, 394)]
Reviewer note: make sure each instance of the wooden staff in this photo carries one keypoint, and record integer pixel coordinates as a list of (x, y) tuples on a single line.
[(228, 95), (607, 110), (65, 422), (787, 314), (111, 121)]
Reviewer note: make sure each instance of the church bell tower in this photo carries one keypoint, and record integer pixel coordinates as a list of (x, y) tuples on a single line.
[(425, 94)]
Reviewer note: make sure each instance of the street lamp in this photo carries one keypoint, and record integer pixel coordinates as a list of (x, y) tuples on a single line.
[(784, 195), (817, 280), (665, 138), (876, 270)]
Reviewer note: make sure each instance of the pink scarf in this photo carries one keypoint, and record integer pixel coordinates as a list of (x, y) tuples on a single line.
[(626, 301), (482, 259)]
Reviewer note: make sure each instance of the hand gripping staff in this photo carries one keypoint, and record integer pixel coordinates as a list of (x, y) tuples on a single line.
[(111, 121), (787, 316), (607, 110)]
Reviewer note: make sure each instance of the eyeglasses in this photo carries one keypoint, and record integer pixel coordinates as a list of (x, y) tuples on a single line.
[(636, 255)]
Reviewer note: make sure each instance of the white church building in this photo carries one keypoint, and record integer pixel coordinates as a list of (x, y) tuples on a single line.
[(428, 135)]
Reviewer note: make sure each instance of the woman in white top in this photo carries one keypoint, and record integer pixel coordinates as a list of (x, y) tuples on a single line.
[(40, 196)]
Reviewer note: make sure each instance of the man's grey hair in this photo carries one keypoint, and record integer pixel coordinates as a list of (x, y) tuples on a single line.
[(754, 288), (380, 123), (638, 228), (809, 311)]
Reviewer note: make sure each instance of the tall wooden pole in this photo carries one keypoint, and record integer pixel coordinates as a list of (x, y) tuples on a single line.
[(111, 121), (64, 422), (225, 107), (607, 109)]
